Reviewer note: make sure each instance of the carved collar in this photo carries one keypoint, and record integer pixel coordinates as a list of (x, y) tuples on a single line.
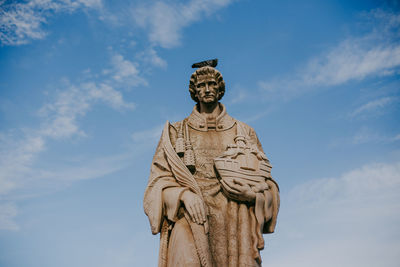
[(198, 122)]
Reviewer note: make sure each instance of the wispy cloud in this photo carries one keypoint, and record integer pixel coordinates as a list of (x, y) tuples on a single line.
[(59, 120), (165, 21), (21, 22), (350, 220), (150, 56), (376, 53), (126, 71), (149, 135), (16, 157), (366, 135), (60, 117), (396, 137), (238, 94), (7, 213), (373, 107)]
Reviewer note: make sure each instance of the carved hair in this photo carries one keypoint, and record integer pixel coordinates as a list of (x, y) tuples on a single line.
[(206, 71)]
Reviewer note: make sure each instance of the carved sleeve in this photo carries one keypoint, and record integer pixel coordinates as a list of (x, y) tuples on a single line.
[(162, 195), (272, 200), (254, 139), (172, 201)]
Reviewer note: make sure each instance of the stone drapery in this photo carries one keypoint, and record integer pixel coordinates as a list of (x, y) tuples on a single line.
[(234, 237)]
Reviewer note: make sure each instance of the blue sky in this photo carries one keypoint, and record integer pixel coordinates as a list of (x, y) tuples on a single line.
[(86, 85)]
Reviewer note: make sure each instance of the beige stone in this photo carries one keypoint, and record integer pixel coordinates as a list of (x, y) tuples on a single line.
[(210, 193)]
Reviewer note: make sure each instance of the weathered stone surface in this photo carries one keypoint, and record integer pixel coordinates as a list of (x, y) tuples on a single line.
[(210, 193)]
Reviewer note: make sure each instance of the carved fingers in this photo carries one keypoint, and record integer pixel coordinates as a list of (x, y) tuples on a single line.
[(261, 187), (195, 206), (238, 190), (230, 187)]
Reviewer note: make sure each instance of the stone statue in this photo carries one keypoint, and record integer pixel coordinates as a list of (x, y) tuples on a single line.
[(210, 193)]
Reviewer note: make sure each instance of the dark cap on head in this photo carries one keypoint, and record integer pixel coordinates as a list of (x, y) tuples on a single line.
[(211, 62)]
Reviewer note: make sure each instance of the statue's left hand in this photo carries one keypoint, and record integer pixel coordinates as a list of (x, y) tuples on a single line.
[(195, 206), (239, 190)]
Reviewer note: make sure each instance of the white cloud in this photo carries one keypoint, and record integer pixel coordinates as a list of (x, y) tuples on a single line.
[(150, 56), (366, 135), (16, 157), (374, 54), (7, 213), (238, 94), (148, 135), (59, 121), (61, 115), (373, 107), (360, 183), (351, 220), (22, 22), (352, 60), (165, 21), (124, 67), (396, 138), (107, 94), (256, 117), (126, 71), (88, 168)]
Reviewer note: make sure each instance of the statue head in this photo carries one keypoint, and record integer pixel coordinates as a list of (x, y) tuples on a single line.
[(204, 77)]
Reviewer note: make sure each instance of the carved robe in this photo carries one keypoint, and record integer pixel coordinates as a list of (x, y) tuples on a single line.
[(234, 236)]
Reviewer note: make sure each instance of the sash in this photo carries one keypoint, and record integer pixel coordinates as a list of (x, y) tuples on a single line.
[(185, 178)]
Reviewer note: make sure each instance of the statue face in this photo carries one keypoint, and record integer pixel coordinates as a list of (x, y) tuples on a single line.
[(207, 89)]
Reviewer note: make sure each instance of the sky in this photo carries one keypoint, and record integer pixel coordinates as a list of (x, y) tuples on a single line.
[(87, 85)]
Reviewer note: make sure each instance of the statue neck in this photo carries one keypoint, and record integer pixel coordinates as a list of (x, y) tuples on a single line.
[(210, 110)]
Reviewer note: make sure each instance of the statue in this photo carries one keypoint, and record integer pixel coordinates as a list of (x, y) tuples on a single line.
[(210, 193)]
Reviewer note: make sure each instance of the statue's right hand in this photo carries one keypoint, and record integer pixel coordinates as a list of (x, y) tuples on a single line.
[(195, 206)]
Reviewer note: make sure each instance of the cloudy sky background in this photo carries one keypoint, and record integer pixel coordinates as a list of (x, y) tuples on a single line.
[(86, 85)]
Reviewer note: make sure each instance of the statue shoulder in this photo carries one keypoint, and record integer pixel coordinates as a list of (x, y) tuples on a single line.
[(250, 133), (175, 126), (247, 128), (173, 130)]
